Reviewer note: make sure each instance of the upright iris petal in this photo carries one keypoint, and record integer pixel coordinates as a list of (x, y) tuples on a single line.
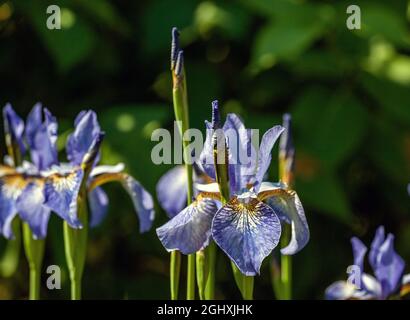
[(247, 230), (375, 246), (31, 208), (80, 141), (61, 193), (359, 251), (190, 230), (265, 157), (42, 138), (389, 267), (14, 126), (171, 191)]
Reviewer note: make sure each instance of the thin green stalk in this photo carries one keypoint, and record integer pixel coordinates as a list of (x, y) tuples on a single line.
[(175, 267), (210, 281), (286, 266), (180, 101), (286, 175), (190, 295), (34, 250), (75, 243)]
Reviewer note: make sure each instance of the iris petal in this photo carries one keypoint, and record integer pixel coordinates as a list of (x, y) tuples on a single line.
[(247, 231), (206, 159), (14, 126), (264, 156), (289, 204), (190, 230), (142, 200), (389, 267), (80, 141), (242, 154), (171, 191), (61, 195), (340, 290), (98, 200), (375, 246), (11, 187), (31, 208), (359, 251), (42, 138)]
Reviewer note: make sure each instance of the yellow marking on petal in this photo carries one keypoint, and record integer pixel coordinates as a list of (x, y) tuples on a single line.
[(405, 290), (277, 192), (63, 182)]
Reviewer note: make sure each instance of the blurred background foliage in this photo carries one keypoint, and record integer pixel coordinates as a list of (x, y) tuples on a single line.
[(348, 91)]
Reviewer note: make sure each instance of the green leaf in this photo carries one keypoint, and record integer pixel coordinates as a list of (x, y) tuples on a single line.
[(329, 126), (292, 30), (69, 45), (380, 20), (392, 97), (324, 193)]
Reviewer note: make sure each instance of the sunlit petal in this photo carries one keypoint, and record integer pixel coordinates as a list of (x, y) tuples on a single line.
[(190, 230), (247, 230)]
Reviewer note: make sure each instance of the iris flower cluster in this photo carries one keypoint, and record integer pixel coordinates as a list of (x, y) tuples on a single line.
[(388, 267), (248, 227), (44, 185)]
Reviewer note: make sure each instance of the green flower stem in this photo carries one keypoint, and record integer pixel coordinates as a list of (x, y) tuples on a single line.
[(205, 272), (286, 266), (175, 267), (286, 176), (75, 243), (10, 258), (180, 100), (34, 250), (210, 281)]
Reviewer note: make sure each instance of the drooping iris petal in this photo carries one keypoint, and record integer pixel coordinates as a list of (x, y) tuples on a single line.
[(11, 187), (289, 204), (142, 201), (359, 251), (171, 191), (389, 267), (98, 201), (119, 167), (264, 156), (42, 138), (61, 194), (340, 290), (31, 208), (85, 132), (14, 126), (190, 230), (375, 246), (247, 230)]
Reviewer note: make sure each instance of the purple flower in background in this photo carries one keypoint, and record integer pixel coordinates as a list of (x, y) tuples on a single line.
[(35, 189), (388, 268), (245, 228)]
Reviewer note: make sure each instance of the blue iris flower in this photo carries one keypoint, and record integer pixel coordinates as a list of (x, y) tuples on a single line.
[(387, 265), (43, 185), (246, 228)]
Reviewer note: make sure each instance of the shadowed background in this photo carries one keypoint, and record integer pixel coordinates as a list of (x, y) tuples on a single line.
[(348, 92)]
